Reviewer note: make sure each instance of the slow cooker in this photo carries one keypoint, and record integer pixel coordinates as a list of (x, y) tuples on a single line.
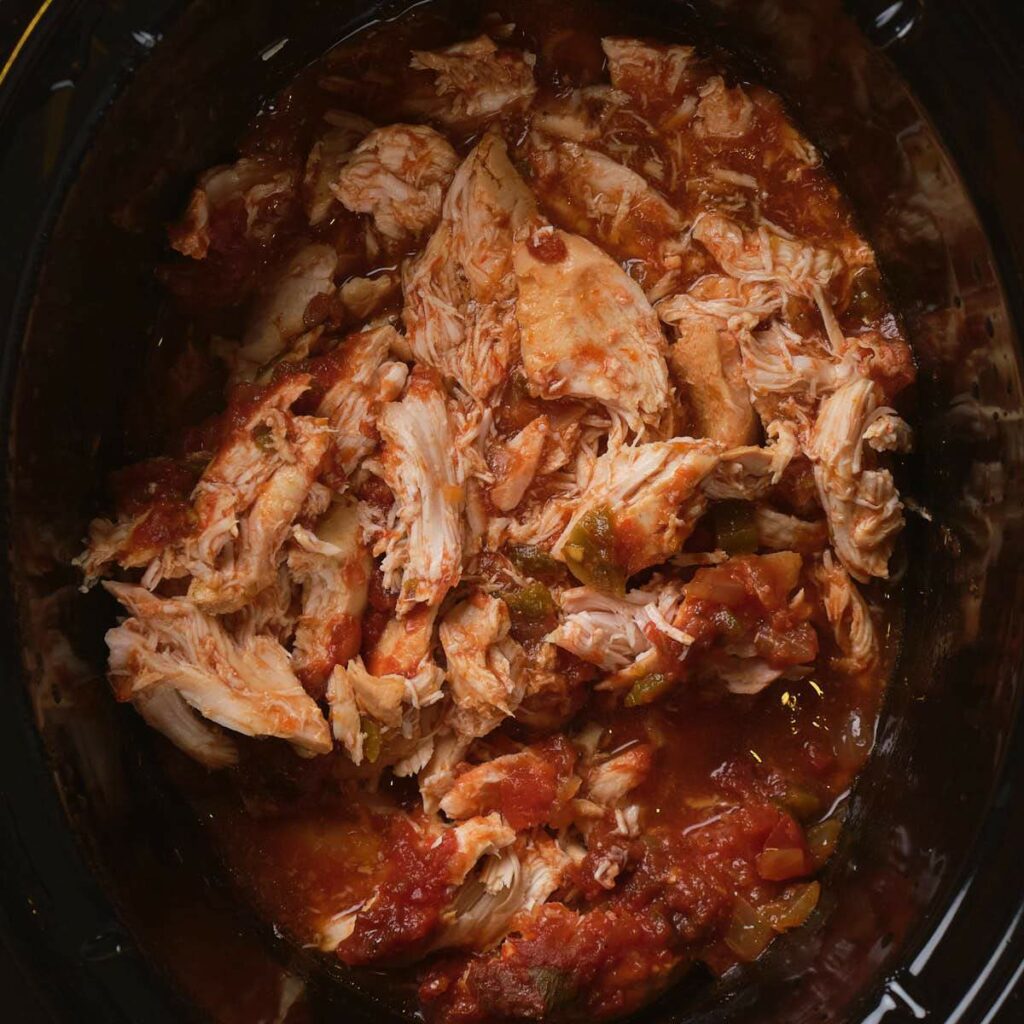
[(112, 905)]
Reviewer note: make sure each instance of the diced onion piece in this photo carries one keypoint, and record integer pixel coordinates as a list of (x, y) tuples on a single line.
[(371, 739), (792, 908), (749, 931), (710, 586), (801, 803), (822, 839), (781, 865)]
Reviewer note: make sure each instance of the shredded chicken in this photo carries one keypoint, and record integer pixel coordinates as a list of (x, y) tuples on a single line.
[(328, 156), (515, 463), (333, 567), (706, 356), (475, 79), (485, 664), (164, 708), (281, 314), (722, 113), (529, 788), (597, 196), (520, 878), (459, 294), (613, 632), (767, 255), (362, 381), (248, 687), (398, 175), (570, 293), (863, 509), (254, 191), (653, 491), (236, 556), (423, 551), (649, 72), (405, 643), (777, 531), (848, 614), (607, 782), (388, 704)]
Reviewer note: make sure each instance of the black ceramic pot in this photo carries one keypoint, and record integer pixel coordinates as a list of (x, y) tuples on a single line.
[(111, 904)]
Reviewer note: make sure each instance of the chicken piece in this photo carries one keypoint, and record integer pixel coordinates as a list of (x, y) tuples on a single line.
[(399, 176), (788, 374), (518, 879), (245, 686), (650, 496), (863, 509), (165, 710), (614, 632), (777, 531), (735, 305), (706, 357), (749, 472), (111, 543), (364, 296), (529, 788), (269, 613), (475, 839), (594, 195), (475, 79), (767, 255), (515, 463), (460, 292), (886, 359), (346, 723), (584, 115), (608, 782), (405, 643), (333, 567), (361, 381), (367, 711), (250, 196), (326, 160), (281, 314), (849, 616), (722, 113), (424, 551), (655, 76), (245, 462), (485, 677), (248, 563), (438, 776), (571, 293), (245, 500)]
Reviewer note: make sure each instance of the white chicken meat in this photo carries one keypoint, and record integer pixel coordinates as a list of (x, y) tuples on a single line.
[(248, 686), (460, 292), (586, 329), (476, 79), (398, 175)]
